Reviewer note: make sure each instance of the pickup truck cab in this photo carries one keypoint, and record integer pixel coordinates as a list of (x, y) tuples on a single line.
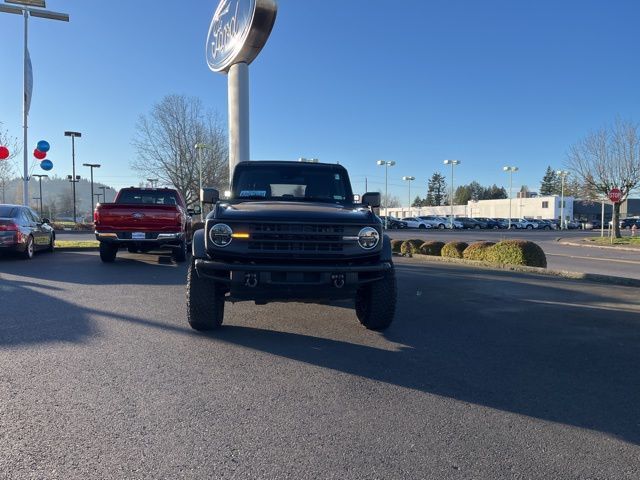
[(144, 219), (291, 232)]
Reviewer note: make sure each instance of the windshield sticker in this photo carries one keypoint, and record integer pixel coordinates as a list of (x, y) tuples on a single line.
[(253, 193)]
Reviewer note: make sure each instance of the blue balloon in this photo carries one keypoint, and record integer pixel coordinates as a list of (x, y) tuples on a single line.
[(46, 165), (43, 146)]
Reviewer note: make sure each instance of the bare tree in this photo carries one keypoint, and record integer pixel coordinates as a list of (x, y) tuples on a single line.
[(165, 143), (609, 158), (7, 168)]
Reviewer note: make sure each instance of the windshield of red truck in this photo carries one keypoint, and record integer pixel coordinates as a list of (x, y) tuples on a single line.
[(297, 182)]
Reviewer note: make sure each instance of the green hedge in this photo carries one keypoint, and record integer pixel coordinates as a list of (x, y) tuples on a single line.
[(431, 248), (395, 245), (477, 250), (454, 249), (408, 248), (517, 252)]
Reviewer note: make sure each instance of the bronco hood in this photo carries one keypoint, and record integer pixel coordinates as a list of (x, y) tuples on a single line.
[(279, 211)]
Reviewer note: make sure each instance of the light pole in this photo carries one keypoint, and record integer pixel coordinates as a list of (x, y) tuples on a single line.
[(563, 175), (104, 193), (40, 177), (26, 9), (153, 182), (73, 136), (199, 147), (91, 166), (74, 179), (510, 169), (409, 180), (386, 165), (97, 195), (453, 163)]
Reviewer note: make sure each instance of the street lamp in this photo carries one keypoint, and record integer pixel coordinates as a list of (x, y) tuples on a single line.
[(40, 177), (510, 170), (453, 163), (386, 165), (104, 193), (563, 175), (73, 136), (91, 166), (98, 195), (409, 179), (26, 9)]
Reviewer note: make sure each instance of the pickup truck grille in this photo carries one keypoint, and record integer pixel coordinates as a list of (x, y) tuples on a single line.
[(296, 238)]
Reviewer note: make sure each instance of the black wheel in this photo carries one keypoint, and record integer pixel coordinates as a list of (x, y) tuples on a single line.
[(422, 226), (108, 252), (132, 250), (52, 243), (29, 248), (180, 254), (205, 301), (376, 302), (529, 227), (477, 227), (441, 226), (496, 227)]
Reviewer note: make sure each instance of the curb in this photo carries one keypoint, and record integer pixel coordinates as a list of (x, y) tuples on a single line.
[(591, 277), (76, 249), (605, 247)]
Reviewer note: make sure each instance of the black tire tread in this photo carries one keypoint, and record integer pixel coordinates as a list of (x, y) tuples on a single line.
[(108, 252), (376, 303), (205, 302)]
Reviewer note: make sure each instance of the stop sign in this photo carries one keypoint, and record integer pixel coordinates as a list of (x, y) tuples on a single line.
[(615, 195)]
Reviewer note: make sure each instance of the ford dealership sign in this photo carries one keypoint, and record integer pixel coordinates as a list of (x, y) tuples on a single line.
[(239, 29)]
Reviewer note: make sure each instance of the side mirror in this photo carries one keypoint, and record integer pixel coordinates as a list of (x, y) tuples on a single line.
[(209, 195), (46, 220), (195, 210), (371, 199)]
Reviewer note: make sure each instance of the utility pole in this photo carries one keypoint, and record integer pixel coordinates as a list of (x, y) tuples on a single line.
[(563, 175), (453, 163), (510, 169), (104, 193), (74, 180), (386, 166)]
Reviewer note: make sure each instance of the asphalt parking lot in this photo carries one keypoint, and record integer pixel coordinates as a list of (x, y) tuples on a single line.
[(483, 375)]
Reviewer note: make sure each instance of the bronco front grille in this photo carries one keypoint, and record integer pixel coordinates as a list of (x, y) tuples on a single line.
[(306, 238)]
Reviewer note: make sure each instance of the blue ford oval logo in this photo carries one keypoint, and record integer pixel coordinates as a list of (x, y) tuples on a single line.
[(228, 32), (137, 215)]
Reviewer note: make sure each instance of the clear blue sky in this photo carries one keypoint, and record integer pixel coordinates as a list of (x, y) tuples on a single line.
[(490, 82)]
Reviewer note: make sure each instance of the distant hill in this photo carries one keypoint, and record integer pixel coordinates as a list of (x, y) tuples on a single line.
[(57, 195)]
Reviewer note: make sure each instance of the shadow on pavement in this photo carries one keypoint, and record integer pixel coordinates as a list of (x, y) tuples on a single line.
[(507, 342)]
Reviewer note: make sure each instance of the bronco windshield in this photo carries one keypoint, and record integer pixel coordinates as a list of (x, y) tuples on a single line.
[(295, 182)]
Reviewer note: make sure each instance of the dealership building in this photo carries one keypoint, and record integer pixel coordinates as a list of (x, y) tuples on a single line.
[(539, 207)]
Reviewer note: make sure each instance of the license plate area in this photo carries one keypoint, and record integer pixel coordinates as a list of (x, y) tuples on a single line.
[(138, 236)]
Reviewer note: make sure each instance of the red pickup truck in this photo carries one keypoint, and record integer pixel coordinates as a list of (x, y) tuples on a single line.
[(144, 219)]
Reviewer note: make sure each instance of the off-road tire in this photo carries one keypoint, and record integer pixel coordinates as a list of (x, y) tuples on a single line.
[(108, 252), (205, 301), (376, 302), (180, 254), (29, 249)]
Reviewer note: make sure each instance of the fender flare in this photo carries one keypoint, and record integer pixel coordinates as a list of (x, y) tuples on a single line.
[(198, 246), (386, 254)]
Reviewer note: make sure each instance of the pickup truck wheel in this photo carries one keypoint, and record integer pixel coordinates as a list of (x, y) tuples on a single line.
[(132, 250), (108, 252), (205, 301), (180, 253), (376, 303)]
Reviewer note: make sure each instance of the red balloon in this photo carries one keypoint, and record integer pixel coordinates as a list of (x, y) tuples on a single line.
[(39, 155), (4, 153)]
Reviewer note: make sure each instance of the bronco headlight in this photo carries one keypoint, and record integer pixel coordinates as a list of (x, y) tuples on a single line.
[(368, 238), (220, 234)]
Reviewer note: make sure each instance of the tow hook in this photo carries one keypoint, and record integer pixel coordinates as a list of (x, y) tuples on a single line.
[(338, 280), (250, 280)]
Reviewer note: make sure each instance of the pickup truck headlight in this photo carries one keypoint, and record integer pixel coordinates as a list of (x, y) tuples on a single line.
[(368, 238), (220, 234)]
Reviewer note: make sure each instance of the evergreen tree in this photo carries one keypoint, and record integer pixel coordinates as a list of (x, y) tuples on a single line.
[(550, 184), (436, 190)]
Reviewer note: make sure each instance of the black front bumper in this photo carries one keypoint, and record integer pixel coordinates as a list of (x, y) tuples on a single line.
[(291, 282)]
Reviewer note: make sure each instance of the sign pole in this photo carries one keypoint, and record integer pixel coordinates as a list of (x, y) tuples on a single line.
[(238, 86), (25, 114)]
